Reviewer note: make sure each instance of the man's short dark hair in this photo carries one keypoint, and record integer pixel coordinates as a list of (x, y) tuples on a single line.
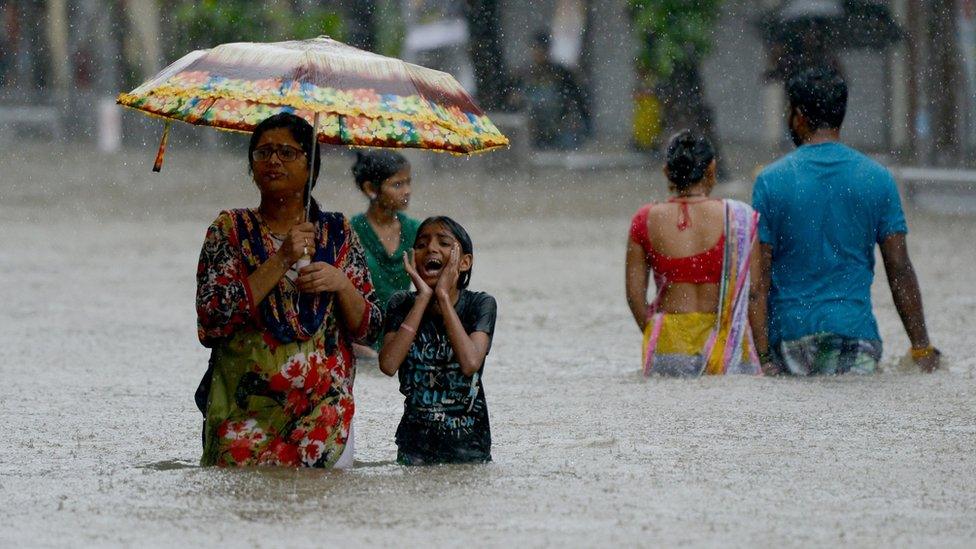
[(820, 94)]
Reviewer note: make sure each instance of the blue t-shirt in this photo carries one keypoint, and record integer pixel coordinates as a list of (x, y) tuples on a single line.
[(822, 209)]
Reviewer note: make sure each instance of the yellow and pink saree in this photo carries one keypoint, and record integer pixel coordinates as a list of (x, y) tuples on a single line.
[(692, 344)]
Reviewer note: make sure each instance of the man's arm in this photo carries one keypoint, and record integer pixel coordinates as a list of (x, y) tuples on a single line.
[(908, 299), (575, 93), (761, 276), (760, 266)]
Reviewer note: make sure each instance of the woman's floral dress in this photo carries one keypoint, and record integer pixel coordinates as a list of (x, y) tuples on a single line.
[(279, 387)]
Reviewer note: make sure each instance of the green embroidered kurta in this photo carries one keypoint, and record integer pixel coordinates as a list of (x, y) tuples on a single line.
[(386, 270)]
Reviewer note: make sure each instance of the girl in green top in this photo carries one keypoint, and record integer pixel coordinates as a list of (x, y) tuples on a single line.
[(384, 230)]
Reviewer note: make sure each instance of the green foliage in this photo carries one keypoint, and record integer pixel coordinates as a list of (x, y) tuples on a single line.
[(390, 29), (207, 23), (673, 32)]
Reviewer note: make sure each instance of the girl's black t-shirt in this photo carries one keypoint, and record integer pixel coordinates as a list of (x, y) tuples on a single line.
[(445, 417)]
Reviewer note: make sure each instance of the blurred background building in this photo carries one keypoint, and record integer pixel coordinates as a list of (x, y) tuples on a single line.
[(625, 72)]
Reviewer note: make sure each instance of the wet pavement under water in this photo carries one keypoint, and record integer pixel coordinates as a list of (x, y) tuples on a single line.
[(99, 361)]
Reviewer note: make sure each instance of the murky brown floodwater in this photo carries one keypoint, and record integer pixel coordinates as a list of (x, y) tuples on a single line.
[(99, 361)]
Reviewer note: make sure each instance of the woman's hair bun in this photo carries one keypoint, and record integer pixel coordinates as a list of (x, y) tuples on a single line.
[(688, 156)]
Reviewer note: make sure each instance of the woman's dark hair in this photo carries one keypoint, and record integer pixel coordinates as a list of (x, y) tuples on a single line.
[(688, 157), (301, 132), (376, 167), (820, 94), (462, 237)]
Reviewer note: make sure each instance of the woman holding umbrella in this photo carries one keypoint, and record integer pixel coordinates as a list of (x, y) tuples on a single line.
[(279, 387)]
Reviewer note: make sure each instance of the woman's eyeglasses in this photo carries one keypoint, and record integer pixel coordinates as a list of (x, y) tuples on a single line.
[(285, 153)]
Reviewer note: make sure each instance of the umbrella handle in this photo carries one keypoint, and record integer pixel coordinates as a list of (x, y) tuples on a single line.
[(311, 165), (158, 164)]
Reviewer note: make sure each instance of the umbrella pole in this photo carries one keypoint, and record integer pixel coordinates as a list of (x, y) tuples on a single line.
[(311, 167), (307, 258)]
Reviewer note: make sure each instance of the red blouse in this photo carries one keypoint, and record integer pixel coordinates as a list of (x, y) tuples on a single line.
[(702, 268)]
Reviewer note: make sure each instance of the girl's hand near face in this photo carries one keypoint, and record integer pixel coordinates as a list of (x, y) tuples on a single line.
[(396, 344), (448, 279), (418, 282), (322, 277)]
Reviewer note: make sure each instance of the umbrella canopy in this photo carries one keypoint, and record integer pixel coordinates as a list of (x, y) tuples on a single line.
[(361, 98), (843, 24)]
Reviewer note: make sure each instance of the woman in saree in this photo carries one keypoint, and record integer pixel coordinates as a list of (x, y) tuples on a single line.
[(702, 253), (279, 387)]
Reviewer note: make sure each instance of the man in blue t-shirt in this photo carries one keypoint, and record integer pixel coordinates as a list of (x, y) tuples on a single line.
[(822, 209)]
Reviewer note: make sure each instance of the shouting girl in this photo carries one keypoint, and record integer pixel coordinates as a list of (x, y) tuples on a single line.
[(437, 339)]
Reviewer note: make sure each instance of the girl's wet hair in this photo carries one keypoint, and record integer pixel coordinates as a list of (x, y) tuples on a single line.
[(301, 132), (376, 167), (462, 237), (688, 157)]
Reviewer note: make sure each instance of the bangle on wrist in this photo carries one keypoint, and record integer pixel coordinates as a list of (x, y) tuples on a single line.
[(412, 330), (923, 352)]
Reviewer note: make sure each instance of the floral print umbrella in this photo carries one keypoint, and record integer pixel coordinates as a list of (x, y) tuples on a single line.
[(352, 97)]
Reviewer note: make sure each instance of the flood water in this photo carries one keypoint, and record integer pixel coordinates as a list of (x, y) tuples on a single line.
[(99, 361)]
